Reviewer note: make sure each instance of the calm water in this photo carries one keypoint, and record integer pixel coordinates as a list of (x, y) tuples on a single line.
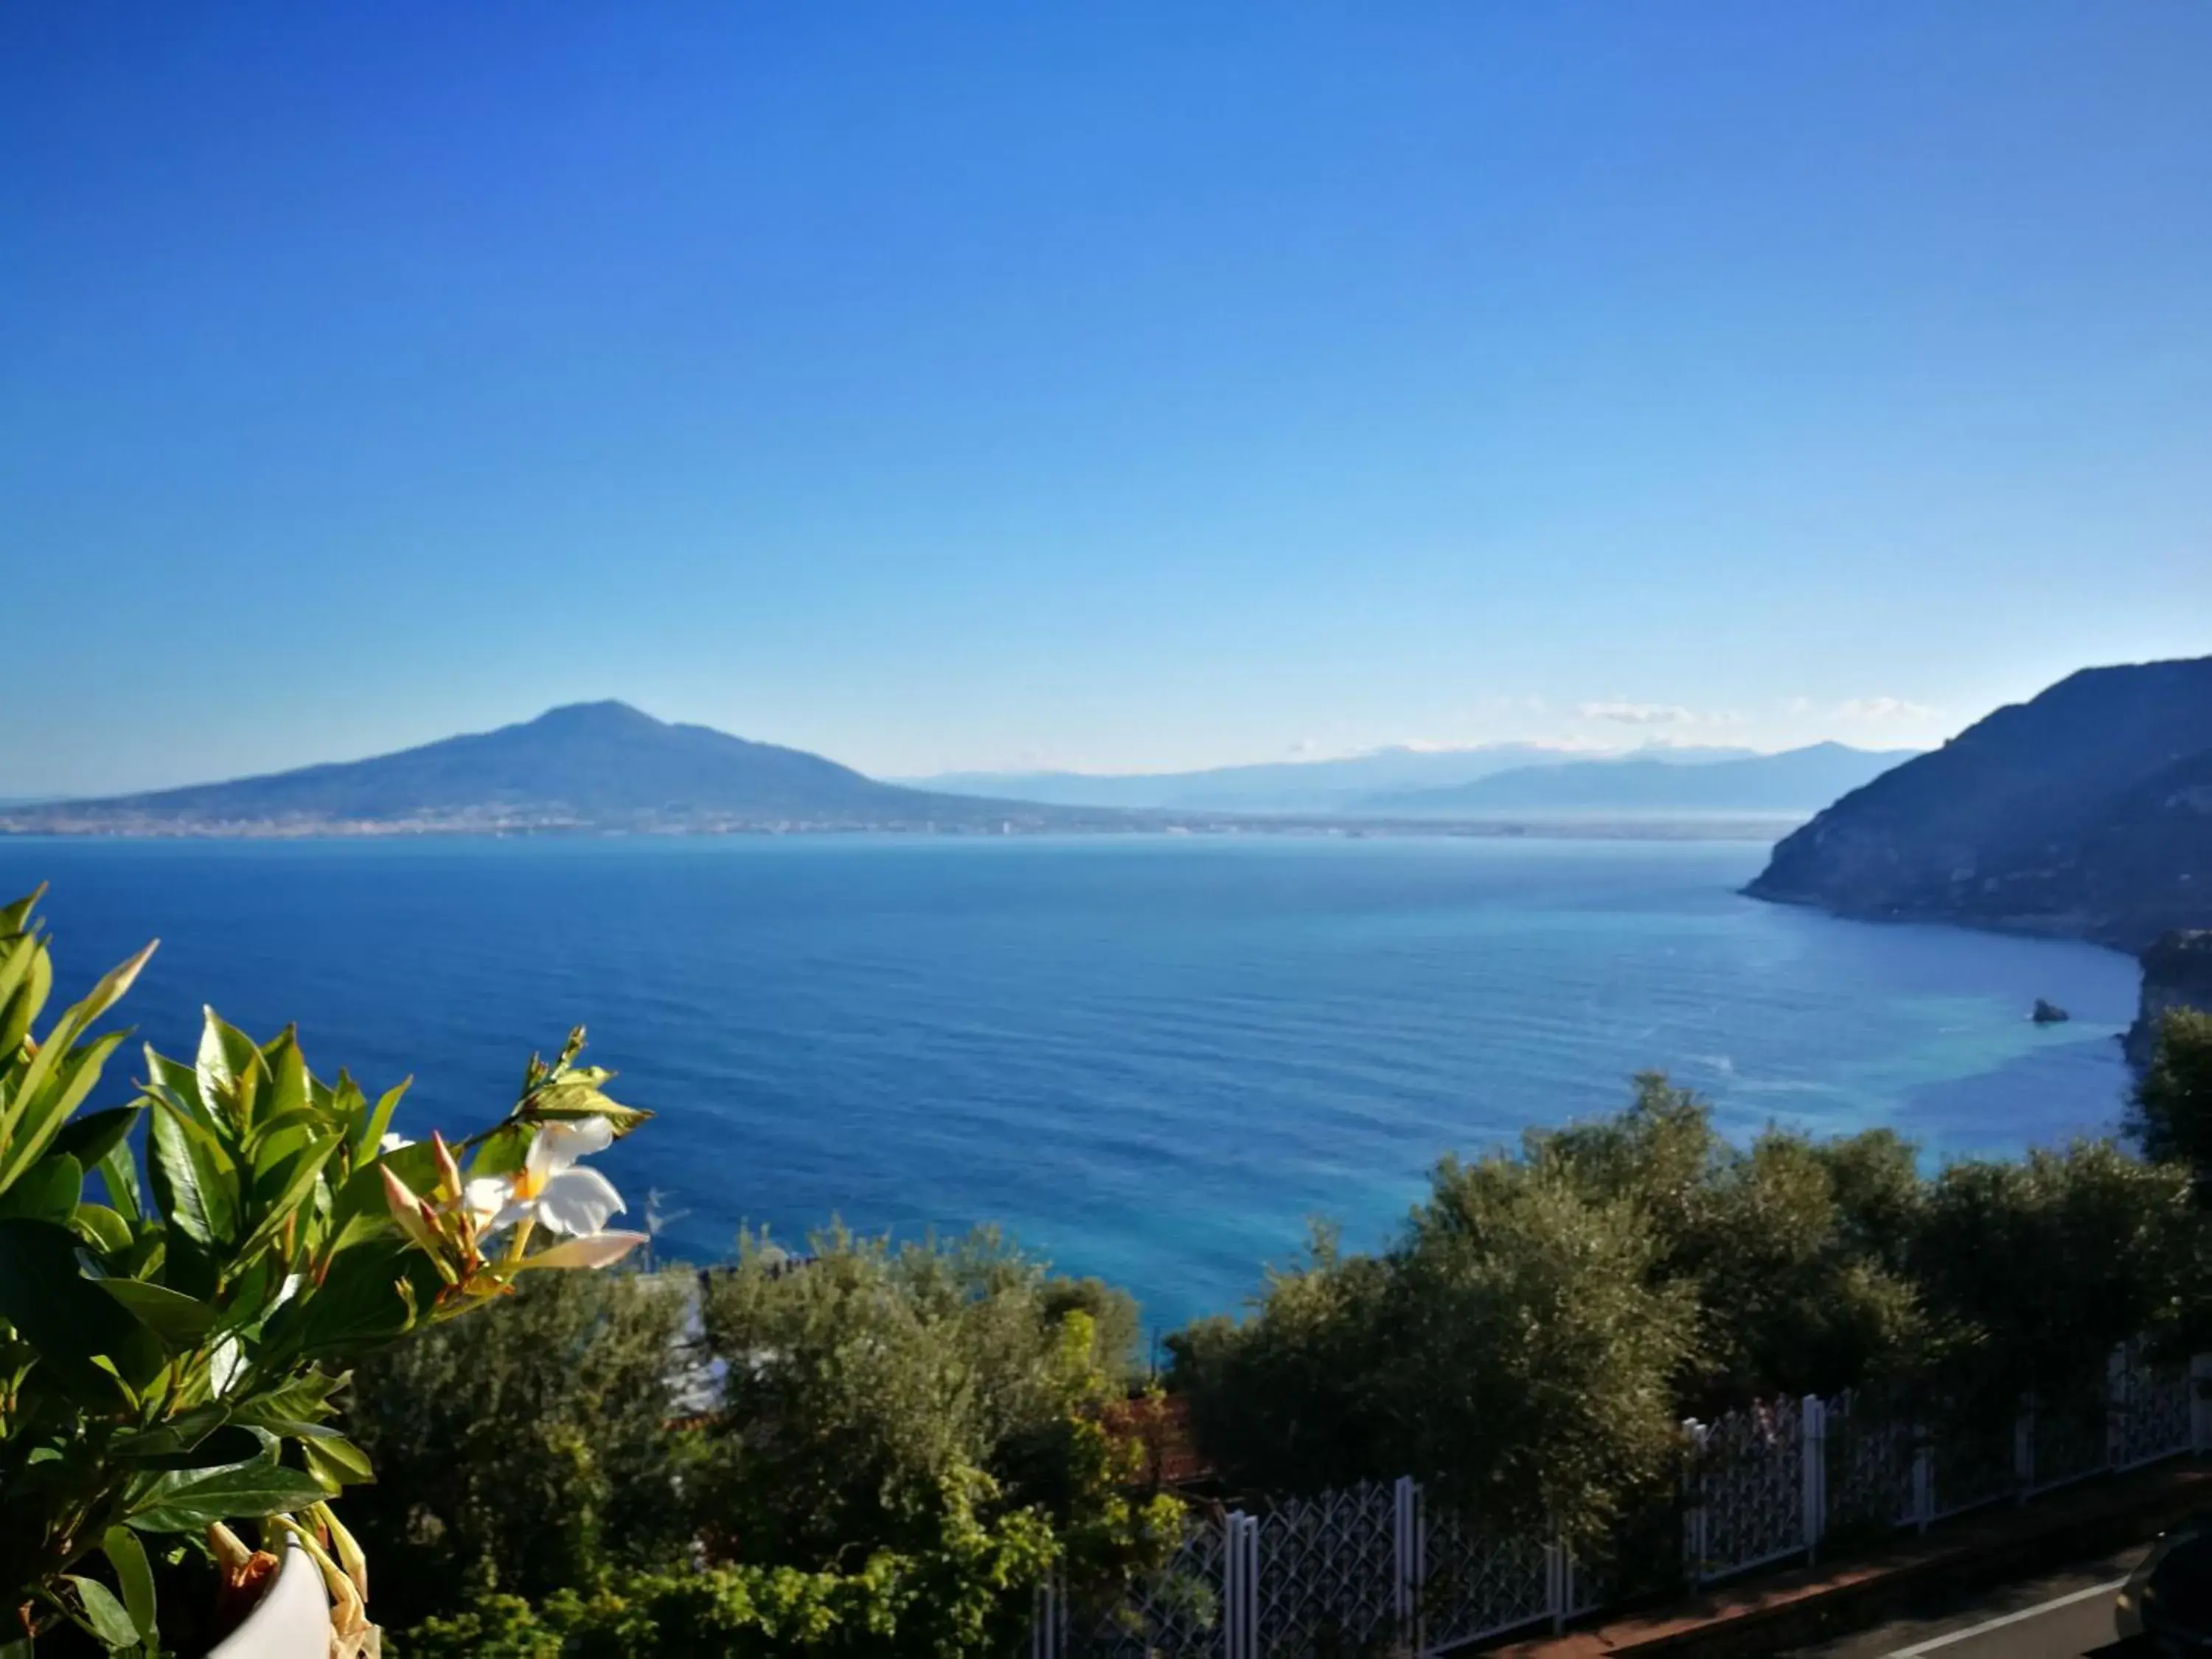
[(1152, 1059)]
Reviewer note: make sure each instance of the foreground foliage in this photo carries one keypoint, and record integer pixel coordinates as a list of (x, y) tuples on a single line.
[(172, 1342)]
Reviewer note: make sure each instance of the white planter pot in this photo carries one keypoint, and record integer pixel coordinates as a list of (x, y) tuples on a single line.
[(291, 1621)]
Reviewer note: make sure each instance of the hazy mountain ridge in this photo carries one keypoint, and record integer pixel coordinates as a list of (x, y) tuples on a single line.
[(1794, 781), (1346, 784), (2086, 812), (606, 767), (584, 765)]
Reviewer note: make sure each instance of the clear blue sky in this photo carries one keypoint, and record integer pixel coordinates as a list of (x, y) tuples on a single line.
[(1100, 385)]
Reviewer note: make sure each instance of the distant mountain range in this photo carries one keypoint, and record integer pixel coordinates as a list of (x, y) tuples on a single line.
[(1343, 785), (1795, 783), (2084, 812), (607, 767), (598, 765)]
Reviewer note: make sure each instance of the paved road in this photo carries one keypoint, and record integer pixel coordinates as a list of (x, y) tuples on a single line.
[(2059, 1615)]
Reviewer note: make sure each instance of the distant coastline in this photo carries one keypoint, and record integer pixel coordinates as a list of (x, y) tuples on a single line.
[(607, 768), (110, 826)]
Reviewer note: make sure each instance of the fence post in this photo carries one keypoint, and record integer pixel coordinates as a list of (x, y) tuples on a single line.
[(1555, 1585), (1813, 1445), (1234, 1640), (2023, 1448), (1923, 1477), (1406, 1554), (1693, 1506), (2119, 1401), (2200, 1403)]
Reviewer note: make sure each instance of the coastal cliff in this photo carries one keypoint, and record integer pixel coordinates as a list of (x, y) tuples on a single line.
[(2177, 973), (2085, 813)]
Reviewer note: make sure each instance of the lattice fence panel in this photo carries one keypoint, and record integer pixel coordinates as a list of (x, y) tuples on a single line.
[(1869, 1452), (1475, 1585), (1327, 1573), (1175, 1613), (2151, 1412), (1749, 1483), (1973, 1466), (2071, 1438)]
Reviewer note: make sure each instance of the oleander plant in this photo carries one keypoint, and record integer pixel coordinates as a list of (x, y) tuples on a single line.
[(185, 1280)]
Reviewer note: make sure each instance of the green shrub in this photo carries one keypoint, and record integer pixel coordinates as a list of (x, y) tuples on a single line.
[(1792, 1250), (2034, 1270), (1530, 1341), (1511, 1348), (2171, 1114), (863, 1384), (530, 1452), (951, 1600)]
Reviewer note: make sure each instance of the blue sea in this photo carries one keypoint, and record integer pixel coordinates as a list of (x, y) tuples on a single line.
[(1153, 1058)]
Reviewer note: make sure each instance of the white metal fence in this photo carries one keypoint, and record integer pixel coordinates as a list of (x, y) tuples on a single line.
[(1378, 1568)]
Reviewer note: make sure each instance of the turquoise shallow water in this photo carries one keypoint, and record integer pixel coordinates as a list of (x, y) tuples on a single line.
[(1150, 1058)]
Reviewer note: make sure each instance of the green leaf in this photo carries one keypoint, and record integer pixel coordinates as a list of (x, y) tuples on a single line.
[(181, 1502), (109, 991), (136, 1574), (288, 1074), (278, 1138), (60, 1047), (195, 1183), (92, 1137), (183, 1433), (63, 1314), (576, 1099), (179, 1321), (120, 1176), (213, 1074), (105, 1616), (335, 1460), (366, 1299), (172, 1447), (36, 1120), (107, 1232), (297, 1177), (304, 1400), (178, 1084), (47, 1192), (230, 1071), (12, 919), (371, 1133), (22, 1005), (363, 1194), (502, 1151)]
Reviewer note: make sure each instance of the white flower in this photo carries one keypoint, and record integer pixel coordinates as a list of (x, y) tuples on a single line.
[(552, 1190), (392, 1143)]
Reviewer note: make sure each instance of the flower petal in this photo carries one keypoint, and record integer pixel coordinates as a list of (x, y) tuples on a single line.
[(559, 1145), (485, 1197), (578, 1201), (394, 1142), (592, 1250)]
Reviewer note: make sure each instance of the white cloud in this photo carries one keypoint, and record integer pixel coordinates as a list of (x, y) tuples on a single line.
[(1639, 714), (1883, 710)]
